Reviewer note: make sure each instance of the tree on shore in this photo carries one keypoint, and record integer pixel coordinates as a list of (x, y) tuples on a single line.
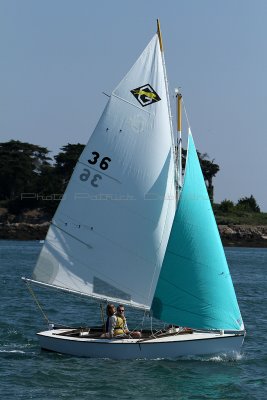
[(26, 168), (226, 206), (66, 161), (29, 179), (248, 204), (20, 167), (209, 170)]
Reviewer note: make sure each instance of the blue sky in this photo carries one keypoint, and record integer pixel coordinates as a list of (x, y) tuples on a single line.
[(57, 56)]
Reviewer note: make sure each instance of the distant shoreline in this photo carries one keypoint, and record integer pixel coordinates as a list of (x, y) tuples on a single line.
[(232, 235), (243, 235)]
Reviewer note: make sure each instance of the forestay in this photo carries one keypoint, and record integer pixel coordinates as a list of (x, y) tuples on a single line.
[(110, 232), (195, 287)]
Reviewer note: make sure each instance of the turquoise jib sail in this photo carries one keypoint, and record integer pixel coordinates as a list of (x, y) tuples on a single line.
[(195, 288)]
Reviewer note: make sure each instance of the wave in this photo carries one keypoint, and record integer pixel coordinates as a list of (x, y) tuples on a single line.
[(13, 351), (235, 356), (215, 358)]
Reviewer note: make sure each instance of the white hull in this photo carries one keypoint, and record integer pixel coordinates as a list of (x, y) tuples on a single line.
[(174, 346)]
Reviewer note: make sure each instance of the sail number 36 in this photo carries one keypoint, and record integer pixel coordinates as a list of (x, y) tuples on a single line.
[(103, 164)]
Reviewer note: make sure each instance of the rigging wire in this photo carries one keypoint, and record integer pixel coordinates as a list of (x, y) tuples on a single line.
[(186, 115), (37, 302), (102, 317)]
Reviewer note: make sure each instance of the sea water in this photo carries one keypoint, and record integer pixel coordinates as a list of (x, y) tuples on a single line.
[(27, 372)]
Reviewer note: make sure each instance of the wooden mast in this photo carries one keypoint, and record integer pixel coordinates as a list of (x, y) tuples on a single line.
[(159, 35)]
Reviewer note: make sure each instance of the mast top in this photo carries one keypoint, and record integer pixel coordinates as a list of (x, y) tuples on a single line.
[(159, 35)]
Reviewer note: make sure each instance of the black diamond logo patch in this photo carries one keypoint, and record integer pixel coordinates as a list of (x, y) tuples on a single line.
[(145, 95)]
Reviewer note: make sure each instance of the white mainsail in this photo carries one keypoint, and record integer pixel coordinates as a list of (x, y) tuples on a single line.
[(110, 232)]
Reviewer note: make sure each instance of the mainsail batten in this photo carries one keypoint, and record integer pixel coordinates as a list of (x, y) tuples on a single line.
[(195, 287), (110, 231)]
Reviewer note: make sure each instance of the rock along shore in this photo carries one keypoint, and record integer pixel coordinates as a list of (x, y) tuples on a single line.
[(243, 235), (34, 224)]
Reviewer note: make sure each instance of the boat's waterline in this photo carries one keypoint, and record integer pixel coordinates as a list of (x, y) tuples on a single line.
[(170, 347)]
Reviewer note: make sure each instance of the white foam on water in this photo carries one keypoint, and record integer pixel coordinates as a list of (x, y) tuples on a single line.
[(216, 358), (225, 357), (13, 351)]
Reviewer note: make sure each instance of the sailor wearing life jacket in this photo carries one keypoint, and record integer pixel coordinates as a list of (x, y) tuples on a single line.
[(121, 326), (115, 324)]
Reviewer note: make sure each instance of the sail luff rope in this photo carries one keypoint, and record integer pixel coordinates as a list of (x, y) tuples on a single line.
[(169, 106), (169, 112)]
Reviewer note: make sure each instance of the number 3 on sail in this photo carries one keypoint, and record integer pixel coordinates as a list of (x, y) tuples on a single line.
[(103, 163), (160, 252)]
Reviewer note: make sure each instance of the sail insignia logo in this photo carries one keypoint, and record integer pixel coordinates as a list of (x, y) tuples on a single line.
[(145, 95)]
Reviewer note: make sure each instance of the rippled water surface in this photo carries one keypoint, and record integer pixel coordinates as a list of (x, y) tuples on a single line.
[(26, 372)]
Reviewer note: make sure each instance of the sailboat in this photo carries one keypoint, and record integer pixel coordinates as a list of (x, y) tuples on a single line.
[(131, 230)]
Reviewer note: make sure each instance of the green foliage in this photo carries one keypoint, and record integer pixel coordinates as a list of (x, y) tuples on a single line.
[(245, 212), (209, 170), (67, 159), (226, 206), (240, 218), (29, 180), (248, 204), (55, 179), (20, 167)]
